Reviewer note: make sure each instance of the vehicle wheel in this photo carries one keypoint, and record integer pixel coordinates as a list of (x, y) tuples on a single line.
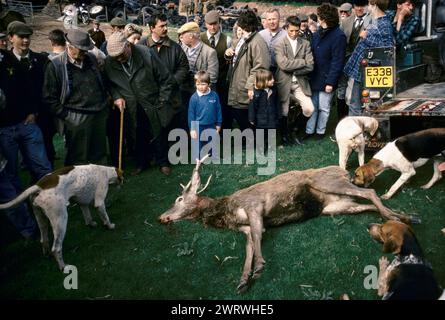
[(85, 18), (118, 13)]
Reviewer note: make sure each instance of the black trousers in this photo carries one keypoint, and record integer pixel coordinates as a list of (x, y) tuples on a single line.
[(241, 116)]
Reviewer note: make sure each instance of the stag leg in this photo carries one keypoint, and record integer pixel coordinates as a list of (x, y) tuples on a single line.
[(347, 206), (256, 226), (242, 286), (344, 187)]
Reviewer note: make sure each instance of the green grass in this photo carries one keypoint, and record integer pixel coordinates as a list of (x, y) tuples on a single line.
[(318, 259)]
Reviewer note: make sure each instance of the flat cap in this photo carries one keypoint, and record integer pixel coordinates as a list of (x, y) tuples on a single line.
[(212, 17), (19, 28), (79, 39), (131, 29), (117, 22), (302, 17), (189, 26), (116, 44), (2, 36), (345, 7)]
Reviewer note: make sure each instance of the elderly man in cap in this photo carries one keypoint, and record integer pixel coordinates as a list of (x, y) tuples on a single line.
[(214, 38), (20, 71), (304, 32), (200, 57), (117, 25), (345, 10), (75, 92), (97, 35), (141, 87)]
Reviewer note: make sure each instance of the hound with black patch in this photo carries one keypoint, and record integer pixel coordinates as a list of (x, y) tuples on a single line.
[(404, 155), (52, 193), (409, 276), (349, 134)]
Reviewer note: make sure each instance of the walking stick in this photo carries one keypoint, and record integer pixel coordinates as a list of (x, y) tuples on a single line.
[(121, 136)]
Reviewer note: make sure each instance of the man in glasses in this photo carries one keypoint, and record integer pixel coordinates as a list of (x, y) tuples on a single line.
[(74, 91)]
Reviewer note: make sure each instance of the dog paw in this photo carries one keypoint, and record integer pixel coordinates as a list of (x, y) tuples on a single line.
[(92, 224), (443, 231), (111, 226), (383, 263), (425, 187)]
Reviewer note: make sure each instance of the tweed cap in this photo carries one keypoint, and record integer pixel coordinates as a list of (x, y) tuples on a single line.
[(345, 7), (79, 39), (117, 22), (116, 44), (131, 29), (19, 28), (303, 17), (3, 36), (212, 17), (189, 26)]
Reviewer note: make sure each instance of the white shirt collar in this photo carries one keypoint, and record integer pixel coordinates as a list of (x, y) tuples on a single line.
[(217, 36), (20, 57), (200, 94)]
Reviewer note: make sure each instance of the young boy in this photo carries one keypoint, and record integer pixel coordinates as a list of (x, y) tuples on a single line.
[(204, 114)]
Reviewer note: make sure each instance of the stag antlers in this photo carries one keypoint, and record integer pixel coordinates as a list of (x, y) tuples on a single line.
[(195, 182)]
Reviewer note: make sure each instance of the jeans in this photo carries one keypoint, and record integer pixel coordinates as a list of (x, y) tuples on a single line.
[(19, 217), (353, 97), (29, 140), (322, 107)]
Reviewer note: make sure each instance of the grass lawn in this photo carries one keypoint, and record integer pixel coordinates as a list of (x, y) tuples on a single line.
[(319, 259)]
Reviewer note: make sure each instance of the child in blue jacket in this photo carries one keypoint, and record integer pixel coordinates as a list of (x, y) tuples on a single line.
[(263, 109), (204, 115)]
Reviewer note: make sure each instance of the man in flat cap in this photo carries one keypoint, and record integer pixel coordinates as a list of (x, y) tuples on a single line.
[(214, 38), (97, 35), (117, 25), (19, 107), (345, 10), (141, 87), (200, 57), (304, 32), (75, 92)]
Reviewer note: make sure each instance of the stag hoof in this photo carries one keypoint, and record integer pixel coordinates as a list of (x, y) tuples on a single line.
[(386, 196), (92, 224), (242, 286), (257, 272)]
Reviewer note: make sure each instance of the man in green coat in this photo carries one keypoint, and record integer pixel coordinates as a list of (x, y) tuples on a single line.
[(141, 87)]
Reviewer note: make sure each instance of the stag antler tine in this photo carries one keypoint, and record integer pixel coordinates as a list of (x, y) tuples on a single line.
[(188, 185), (207, 184), (200, 161)]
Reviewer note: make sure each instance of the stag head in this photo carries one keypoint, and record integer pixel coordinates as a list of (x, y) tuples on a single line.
[(187, 204)]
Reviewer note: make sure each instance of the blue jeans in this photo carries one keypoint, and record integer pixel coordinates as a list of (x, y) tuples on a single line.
[(204, 138), (353, 97), (20, 217), (28, 139), (322, 107)]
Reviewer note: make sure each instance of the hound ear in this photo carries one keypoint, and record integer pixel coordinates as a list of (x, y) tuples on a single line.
[(374, 127), (392, 244), (368, 175)]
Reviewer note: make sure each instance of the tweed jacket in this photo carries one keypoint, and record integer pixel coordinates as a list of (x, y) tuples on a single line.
[(300, 65)]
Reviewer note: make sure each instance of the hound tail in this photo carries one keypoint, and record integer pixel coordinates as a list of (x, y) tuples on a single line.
[(22, 197)]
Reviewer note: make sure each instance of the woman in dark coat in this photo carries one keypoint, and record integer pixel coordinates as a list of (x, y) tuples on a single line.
[(329, 49)]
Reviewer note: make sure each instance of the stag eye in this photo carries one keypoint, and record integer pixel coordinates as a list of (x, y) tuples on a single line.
[(179, 199)]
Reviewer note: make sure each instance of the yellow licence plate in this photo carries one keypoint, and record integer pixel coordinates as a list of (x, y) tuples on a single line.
[(378, 77)]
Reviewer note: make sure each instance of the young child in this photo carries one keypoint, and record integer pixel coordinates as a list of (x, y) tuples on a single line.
[(263, 111), (204, 115)]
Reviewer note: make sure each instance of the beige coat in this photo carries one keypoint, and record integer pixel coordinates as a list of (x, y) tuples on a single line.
[(253, 56), (300, 65)]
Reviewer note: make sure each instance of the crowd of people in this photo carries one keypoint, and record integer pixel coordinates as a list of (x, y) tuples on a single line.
[(251, 80)]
